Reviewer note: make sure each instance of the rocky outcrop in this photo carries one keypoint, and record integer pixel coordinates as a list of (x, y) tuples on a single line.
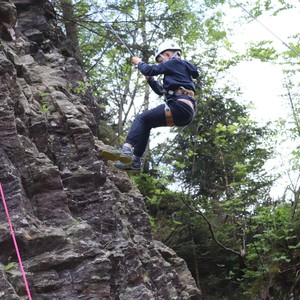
[(81, 226)]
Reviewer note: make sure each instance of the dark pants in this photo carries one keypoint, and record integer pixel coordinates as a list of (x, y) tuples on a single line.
[(139, 132)]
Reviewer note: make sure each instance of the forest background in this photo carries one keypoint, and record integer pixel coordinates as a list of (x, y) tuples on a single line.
[(206, 186)]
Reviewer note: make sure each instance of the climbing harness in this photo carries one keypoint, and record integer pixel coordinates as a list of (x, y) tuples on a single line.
[(169, 117), (15, 243), (254, 18), (181, 91), (168, 112)]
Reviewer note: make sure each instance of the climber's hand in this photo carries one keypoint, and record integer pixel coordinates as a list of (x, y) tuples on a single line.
[(135, 60)]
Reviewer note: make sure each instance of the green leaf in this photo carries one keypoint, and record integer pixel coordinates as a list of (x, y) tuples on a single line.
[(9, 266)]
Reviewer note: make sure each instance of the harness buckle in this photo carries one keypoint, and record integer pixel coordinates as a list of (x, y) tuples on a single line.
[(181, 91), (184, 91)]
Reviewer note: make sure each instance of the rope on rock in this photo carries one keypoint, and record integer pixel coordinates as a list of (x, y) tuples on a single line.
[(15, 242)]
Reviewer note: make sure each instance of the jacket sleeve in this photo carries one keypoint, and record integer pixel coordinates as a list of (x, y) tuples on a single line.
[(193, 71), (153, 70), (156, 86)]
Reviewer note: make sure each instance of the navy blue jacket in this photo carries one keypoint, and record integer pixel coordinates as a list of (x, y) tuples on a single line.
[(177, 72)]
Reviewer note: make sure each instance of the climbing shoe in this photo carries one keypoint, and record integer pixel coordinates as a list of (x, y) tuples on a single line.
[(124, 154), (134, 165)]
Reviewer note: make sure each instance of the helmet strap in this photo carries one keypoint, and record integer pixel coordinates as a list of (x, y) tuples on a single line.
[(178, 53), (163, 57), (174, 53)]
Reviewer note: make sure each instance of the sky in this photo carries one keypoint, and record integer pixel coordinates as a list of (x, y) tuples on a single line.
[(261, 82)]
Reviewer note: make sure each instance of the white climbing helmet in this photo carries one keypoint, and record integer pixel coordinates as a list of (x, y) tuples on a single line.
[(166, 45)]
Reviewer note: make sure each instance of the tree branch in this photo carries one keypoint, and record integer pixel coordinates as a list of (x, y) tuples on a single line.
[(239, 254)]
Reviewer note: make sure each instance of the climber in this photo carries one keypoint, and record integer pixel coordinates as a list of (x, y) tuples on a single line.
[(178, 90)]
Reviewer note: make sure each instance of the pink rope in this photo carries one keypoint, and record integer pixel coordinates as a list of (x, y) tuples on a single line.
[(15, 242)]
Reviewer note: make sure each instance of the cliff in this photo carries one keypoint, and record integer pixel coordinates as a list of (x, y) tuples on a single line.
[(81, 226)]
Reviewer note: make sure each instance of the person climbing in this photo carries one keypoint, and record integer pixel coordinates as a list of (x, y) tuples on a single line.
[(179, 92)]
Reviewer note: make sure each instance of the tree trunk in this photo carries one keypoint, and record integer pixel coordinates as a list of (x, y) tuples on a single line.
[(70, 24), (196, 267)]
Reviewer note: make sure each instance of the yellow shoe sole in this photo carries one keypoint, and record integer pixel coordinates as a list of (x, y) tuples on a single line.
[(114, 156)]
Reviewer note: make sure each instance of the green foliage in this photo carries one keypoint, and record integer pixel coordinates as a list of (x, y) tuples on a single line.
[(257, 8), (81, 87), (45, 107), (224, 208), (272, 253), (45, 101), (228, 149), (262, 52), (219, 160), (10, 266), (160, 203), (213, 26)]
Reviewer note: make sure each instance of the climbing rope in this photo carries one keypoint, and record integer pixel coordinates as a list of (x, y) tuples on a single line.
[(112, 29), (15, 242), (254, 18)]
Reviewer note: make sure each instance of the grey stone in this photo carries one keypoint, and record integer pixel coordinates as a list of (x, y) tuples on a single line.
[(81, 226)]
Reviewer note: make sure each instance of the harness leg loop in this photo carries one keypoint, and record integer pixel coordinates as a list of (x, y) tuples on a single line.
[(169, 117)]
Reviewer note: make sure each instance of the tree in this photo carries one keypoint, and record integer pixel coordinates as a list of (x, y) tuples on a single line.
[(69, 20), (223, 222), (273, 254), (140, 26), (218, 160)]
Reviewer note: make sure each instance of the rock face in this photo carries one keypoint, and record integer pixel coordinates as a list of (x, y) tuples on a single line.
[(8, 19), (81, 226)]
